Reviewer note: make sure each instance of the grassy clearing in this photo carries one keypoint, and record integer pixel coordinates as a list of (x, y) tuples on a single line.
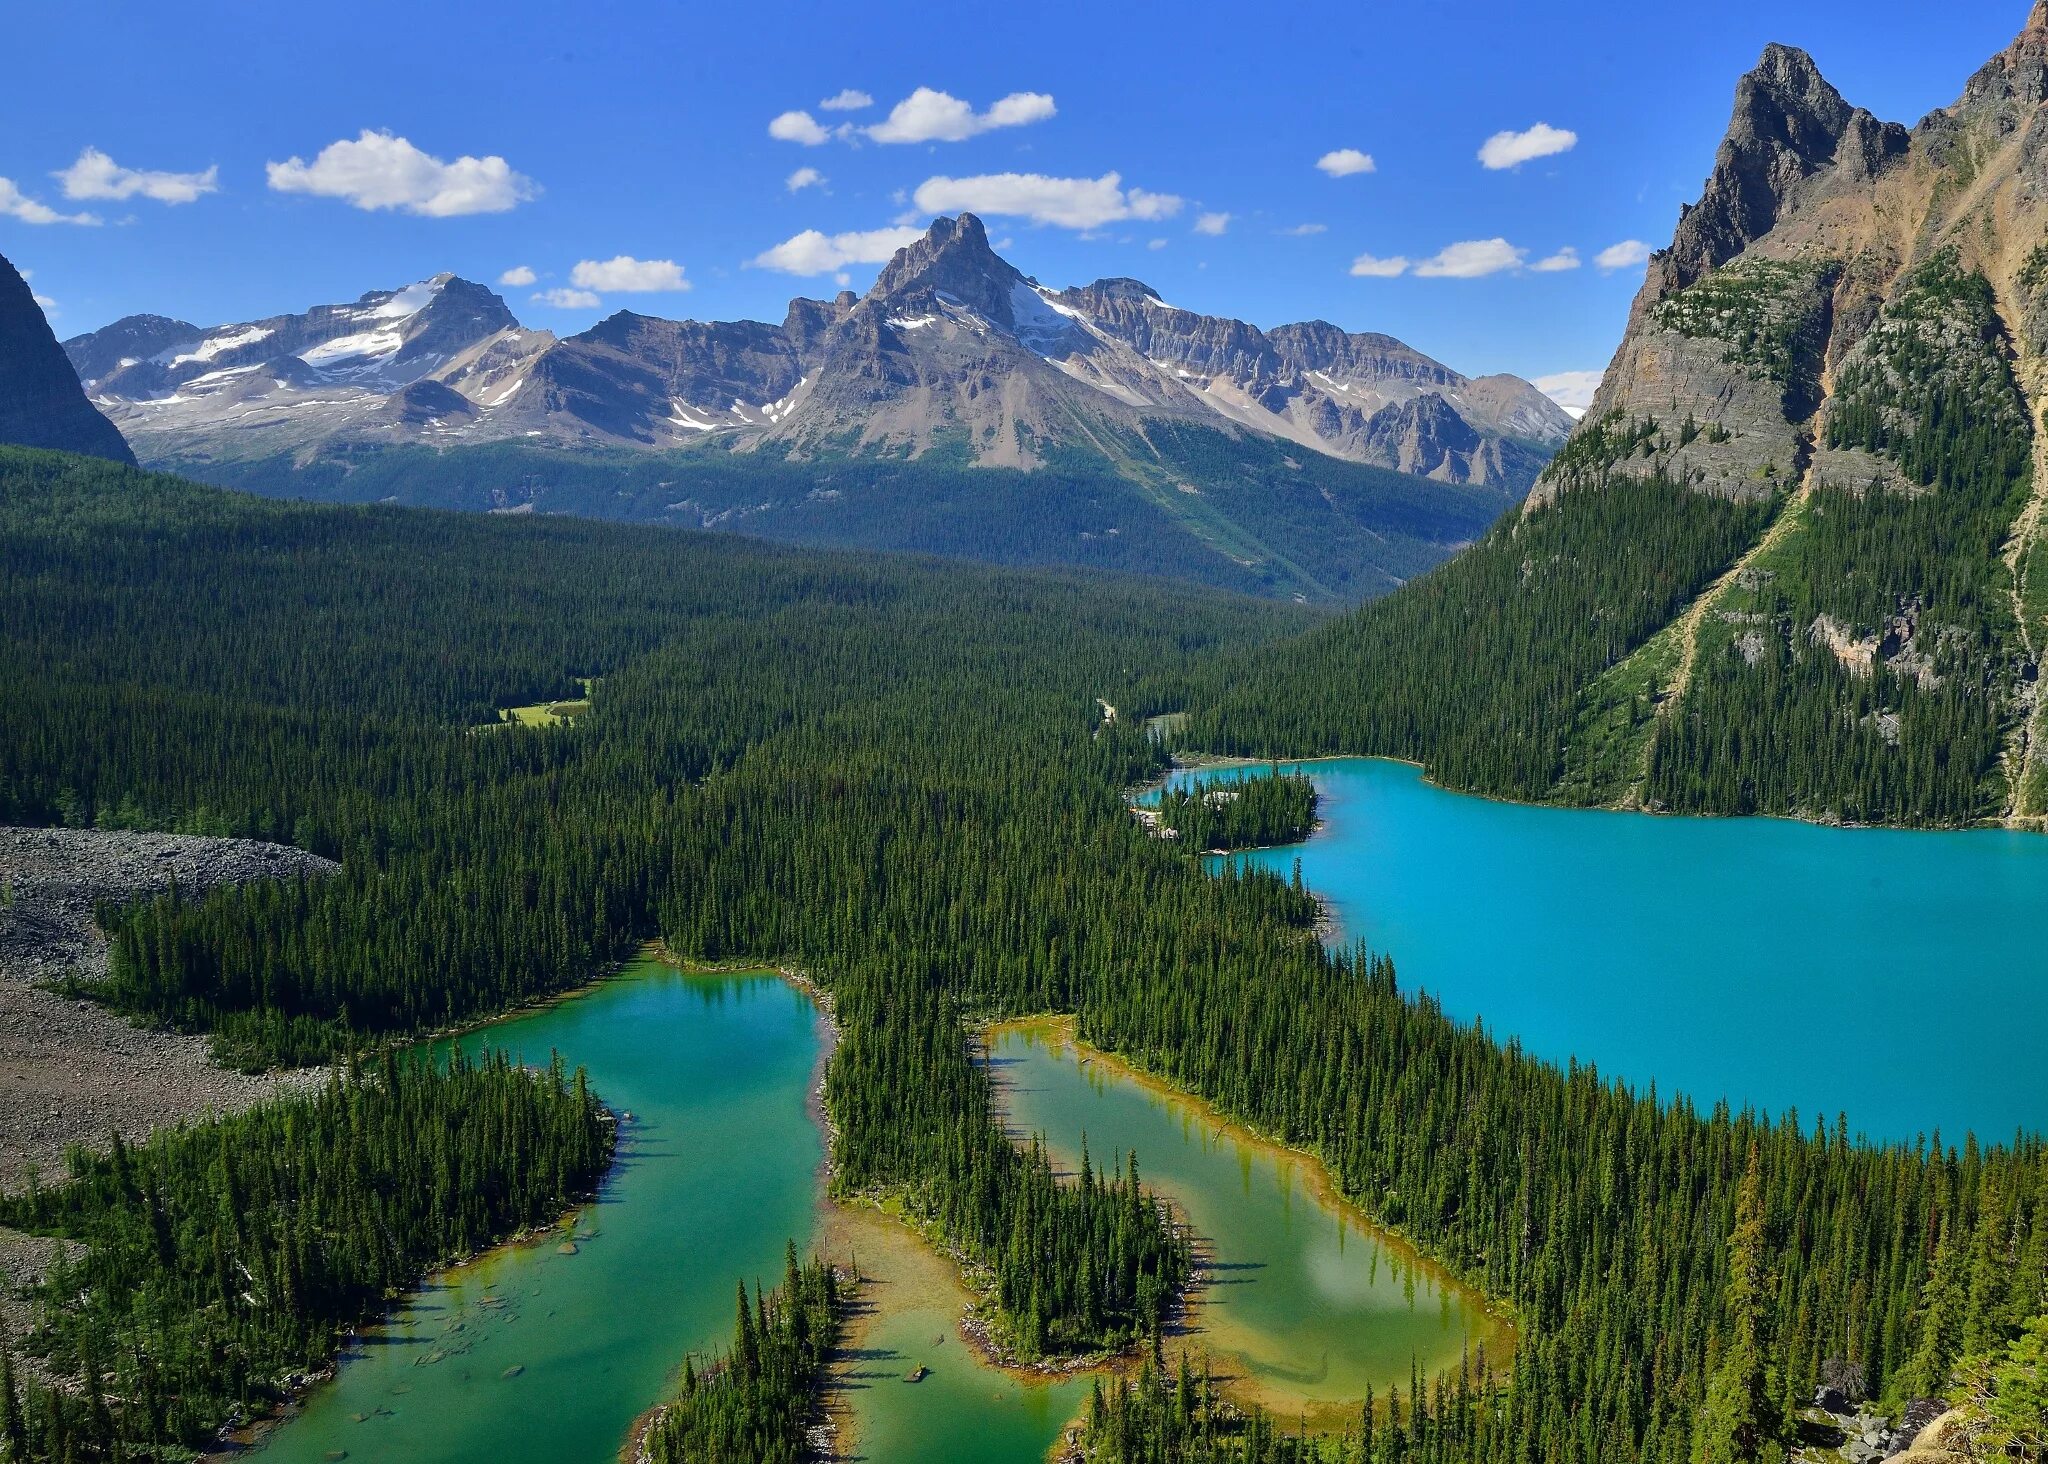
[(548, 714), (1604, 757)]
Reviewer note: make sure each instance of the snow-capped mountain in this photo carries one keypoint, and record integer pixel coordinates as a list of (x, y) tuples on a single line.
[(388, 365), (953, 347)]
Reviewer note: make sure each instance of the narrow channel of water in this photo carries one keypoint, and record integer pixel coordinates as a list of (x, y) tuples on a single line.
[(1306, 1304), (545, 1353), (548, 1351), (1897, 977)]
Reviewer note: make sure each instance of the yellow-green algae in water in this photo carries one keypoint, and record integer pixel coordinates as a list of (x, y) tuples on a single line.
[(548, 1351), (1306, 1303)]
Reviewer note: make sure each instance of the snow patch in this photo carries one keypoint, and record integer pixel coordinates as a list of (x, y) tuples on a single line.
[(679, 413), (213, 346), (354, 352), (408, 302), (1042, 325)]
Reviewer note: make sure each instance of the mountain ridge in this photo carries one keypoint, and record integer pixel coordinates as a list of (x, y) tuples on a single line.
[(952, 343)]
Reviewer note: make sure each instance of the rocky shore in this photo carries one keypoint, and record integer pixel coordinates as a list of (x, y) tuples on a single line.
[(73, 1072)]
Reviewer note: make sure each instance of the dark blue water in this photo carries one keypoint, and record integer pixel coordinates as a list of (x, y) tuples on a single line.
[(1898, 977)]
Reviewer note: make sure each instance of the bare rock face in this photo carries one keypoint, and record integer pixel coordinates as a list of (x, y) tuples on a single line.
[(41, 404), (1816, 223)]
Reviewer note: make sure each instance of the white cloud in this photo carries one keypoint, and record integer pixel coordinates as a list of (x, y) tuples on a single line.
[(798, 127), (1213, 223), (1304, 231), (1471, 259), (95, 175), (1565, 258), (519, 274), (1626, 255), (1512, 149), (379, 170), (18, 205), (565, 299), (1572, 390), (804, 178), (1371, 267), (933, 116), (1071, 203), (625, 275), (1346, 161), (1156, 244), (850, 100), (814, 252), (48, 305)]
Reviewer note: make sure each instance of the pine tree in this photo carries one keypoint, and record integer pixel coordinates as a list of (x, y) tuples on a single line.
[(1740, 1414)]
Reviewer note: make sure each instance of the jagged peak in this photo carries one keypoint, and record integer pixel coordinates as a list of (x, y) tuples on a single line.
[(953, 257), (1789, 125), (2016, 76)]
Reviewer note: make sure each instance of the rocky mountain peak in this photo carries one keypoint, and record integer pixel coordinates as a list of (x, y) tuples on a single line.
[(1122, 287), (955, 259), (41, 402), (1789, 128), (2018, 76)]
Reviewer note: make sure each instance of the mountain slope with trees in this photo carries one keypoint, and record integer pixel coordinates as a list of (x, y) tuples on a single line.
[(1792, 560)]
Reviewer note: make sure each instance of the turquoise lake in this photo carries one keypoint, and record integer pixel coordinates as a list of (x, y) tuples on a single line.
[(546, 1352), (1898, 977)]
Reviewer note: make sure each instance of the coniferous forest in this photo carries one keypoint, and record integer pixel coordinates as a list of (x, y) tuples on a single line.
[(1253, 812), (896, 774), (215, 1263)]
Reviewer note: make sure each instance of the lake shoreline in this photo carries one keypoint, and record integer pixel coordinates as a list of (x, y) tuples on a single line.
[(1504, 1326)]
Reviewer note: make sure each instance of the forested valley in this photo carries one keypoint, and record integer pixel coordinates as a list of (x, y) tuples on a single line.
[(895, 775)]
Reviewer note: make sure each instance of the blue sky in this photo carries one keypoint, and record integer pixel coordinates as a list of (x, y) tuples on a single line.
[(246, 161)]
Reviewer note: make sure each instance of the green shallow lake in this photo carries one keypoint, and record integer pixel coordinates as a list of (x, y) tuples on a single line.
[(534, 1355), (1900, 978), (716, 1170), (1305, 1300)]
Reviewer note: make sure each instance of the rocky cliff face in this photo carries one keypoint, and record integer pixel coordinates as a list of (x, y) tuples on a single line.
[(953, 348), (41, 404), (1849, 331), (1815, 219)]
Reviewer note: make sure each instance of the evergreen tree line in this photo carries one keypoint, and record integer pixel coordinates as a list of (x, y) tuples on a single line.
[(914, 799), (218, 1261), (1252, 812), (1485, 670), (1477, 669), (754, 1404)]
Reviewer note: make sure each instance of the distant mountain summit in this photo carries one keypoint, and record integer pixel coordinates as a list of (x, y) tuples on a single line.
[(953, 348), (40, 401)]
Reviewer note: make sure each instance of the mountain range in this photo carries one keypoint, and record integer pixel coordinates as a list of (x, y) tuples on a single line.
[(959, 407), (952, 345)]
